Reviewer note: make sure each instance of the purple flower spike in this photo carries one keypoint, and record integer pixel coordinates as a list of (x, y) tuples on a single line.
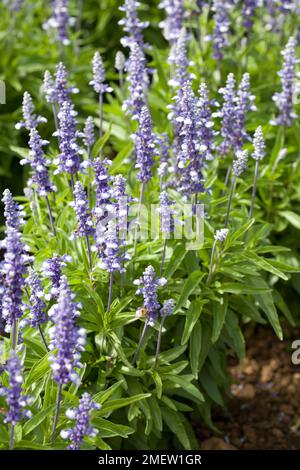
[(30, 119), (82, 416), (68, 160), (244, 103), (88, 134), (52, 268), (49, 88), (259, 144), (111, 257), (222, 25), (173, 23), (145, 150), (13, 269), (62, 90), (13, 212), (190, 158), (148, 285), (81, 207), (228, 113), (98, 82), (206, 123), (132, 25), (240, 163), (65, 337), (179, 57), (60, 20), (38, 163), (166, 214), (37, 304), (248, 13), (138, 82), (16, 402), (285, 100), (102, 187), (168, 308)]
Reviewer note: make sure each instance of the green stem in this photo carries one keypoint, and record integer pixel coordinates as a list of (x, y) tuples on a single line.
[(159, 342), (50, 216), (230, 200), (12, 437), (89, 252), (137, 353), (210, 270), (138, 217), (163, 257), (56, 412), (111, 283), (254, 189)]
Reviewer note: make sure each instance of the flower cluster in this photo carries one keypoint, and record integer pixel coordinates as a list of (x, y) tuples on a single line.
[(248, 12), (52, 268), (37, 305), (285, 99), (221, 235), (173, 22), (168, 308), (13, 269), (222, 24), (138, 82), (13, 212), (144, 142), (240, 163), (38, 163), (81, 207), (88, 134), (207, 133), (82, 416), (65, 337), (30, 119), (244, 103), (16, 402), (98, 82), (132, 25), (60, 20), (68, 160), (167, 225), (259, 144), (148, 285)]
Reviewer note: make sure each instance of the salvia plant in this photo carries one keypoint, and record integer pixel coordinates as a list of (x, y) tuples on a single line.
[(159, 215)]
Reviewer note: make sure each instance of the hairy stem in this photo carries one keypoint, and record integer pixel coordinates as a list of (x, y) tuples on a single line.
[(210, 270), (100, 115), (43, 338), (138, 349), (54, 111), (254, 189), (58, 403), (159, 342), (12, 437), (14, 335), (111, 283), (163, 257), (89, 252), (50, 215), (230, 200), (138, 217)]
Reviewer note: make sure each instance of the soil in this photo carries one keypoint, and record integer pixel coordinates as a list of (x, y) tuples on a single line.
[(264, 412)]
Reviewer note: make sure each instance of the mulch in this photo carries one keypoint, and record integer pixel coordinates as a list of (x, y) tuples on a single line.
[(264, 413)]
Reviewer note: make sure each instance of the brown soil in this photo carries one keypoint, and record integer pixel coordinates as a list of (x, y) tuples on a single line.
[(264, 412)]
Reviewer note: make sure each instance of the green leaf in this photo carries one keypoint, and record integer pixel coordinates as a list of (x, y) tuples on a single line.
[(183, 382), (236, 338), (195, 348), (174, 422), (37, 419), (291, 217), (108, 429), (192, 316), (211, 388), (239, 288), (101, 143), (219, 311), (121, 402), (283, 307), (189, 287), (266, 303), (263, 264), (39, 369), (101, 397), (176, 260), (158, 383)]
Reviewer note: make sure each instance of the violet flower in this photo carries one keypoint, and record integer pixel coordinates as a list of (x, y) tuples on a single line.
[(30, 119), (167, 224), (66, 338), (145, 150), (284, 100), (13, 212), (62, 90), (138, 82), (60, 20), (244, 103), (16, 401), (68, 160), (52, 268), (222, 25), (37, 305), (81, 207), (38, 163), (132, 25), (206, 123), (173, 22), (88, 134), (82, 417), (179, 59), (148, 285), (248, 12), (228, 115), (258, 155), (13, 269)]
